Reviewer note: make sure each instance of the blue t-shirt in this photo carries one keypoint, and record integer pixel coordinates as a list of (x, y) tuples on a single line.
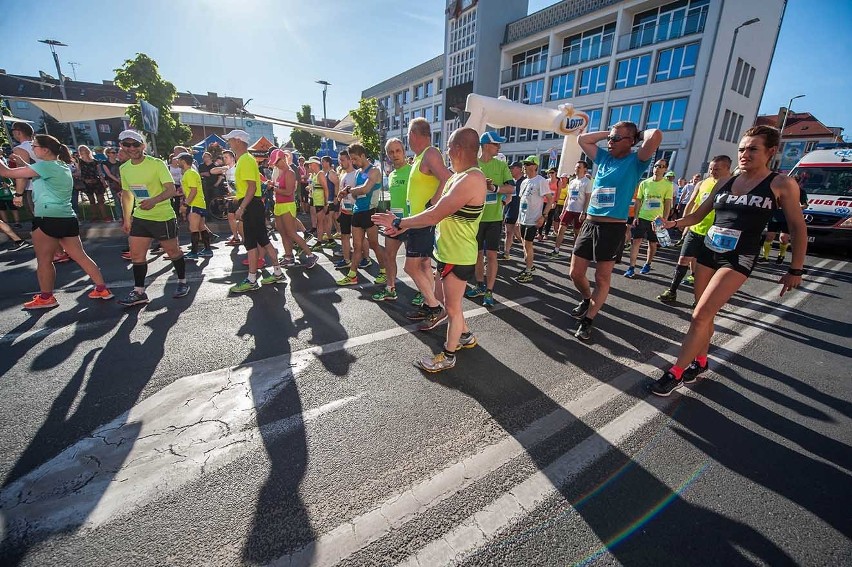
[(52, 189), (364, 202), (615, 183)]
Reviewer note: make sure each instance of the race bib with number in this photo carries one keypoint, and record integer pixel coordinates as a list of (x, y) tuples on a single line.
[(490, 198), (141, 191), (524, 206), (574, 195), (603, 197), (653, 204), (721, 240)]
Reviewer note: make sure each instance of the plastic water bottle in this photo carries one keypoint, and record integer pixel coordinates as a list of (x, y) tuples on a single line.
[(663, 237)]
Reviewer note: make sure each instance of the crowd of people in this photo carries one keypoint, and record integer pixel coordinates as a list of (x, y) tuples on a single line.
[(463, 216)]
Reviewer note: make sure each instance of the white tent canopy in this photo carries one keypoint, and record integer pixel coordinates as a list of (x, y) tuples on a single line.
[(77, 111)]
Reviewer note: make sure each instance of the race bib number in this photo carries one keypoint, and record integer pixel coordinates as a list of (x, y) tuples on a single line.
[(524, 206), (490, 198), (653, 204), (603, 197), (398, 212), (574, 195), (347, 205), (721, 240), (140, 191)]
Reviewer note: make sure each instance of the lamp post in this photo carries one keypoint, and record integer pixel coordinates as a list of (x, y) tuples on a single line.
[(723, 87), (325, 85), (53, 44), (784, 125)]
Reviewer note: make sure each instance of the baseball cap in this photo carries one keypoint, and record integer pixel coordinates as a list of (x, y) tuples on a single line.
[(531, 159), (491, 138), (131, 135), (516, 164), (237, 135), (670, 174), (275, 155), (314, 159)]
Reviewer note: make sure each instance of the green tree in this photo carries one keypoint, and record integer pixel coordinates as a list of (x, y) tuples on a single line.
[(306, 143), (4, 135), (366, 127), (142, 75)]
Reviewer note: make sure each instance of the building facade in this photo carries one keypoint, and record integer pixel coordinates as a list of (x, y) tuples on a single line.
[(802, 133)]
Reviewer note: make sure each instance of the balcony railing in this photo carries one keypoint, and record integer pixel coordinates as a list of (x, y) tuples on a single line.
[(580, 54), (658, 32), (523, 70)]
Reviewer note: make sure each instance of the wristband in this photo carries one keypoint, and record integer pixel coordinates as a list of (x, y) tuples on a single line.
[(396, 222), (795, 272), (19, 194)]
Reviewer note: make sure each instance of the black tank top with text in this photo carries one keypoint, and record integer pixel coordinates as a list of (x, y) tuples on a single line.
[(747, 213)]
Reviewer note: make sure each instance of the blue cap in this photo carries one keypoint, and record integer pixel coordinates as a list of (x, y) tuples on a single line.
[(491, 138)]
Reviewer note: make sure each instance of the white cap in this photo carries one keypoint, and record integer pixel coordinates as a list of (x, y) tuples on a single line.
[(237, 134), (131, 135)]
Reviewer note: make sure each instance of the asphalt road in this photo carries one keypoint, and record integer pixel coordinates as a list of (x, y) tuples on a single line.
[(289, 427)]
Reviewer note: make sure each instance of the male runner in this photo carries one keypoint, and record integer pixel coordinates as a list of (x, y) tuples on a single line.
[(574, 208), (654, 199), (536, 201), (457, 215), (510, 219), (23, 134), (397, 186), (147, 188), (346, 203), (488, 238), (194, 207)]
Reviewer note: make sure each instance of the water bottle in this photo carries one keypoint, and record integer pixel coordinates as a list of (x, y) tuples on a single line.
[(663, 237)]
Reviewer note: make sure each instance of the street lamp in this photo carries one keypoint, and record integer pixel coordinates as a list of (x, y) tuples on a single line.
[(325, 85), (723, 87), (53, 44), (784, 125)]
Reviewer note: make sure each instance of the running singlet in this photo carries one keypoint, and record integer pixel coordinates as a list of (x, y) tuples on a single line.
[(281, 181), (398, 188), (498, 172), (192, 180), (246, 171), (455, 235), (52, 189), (421, 187), (740, 219), (330, 185), (653, 195), (317, 192), (364, 202), (145, 180), (704, 191), (615, 182), (347, 203)]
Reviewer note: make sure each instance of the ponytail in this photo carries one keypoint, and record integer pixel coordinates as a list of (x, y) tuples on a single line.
[(54, 146)]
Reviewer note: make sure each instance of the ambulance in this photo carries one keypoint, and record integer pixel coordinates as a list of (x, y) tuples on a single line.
[(826, 177)]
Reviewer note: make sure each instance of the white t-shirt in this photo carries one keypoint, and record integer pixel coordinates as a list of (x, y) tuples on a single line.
[(578, 194), (531, 199), (27, 146), (348, 180)]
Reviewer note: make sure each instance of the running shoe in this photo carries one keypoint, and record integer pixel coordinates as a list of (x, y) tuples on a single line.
[(39, 303), (434, 318), (668, 296), (337, 235), (348, 280), (418, 314), (690, 279), (417, 300), (690, 374), (233, 242), (582, 308), (105, 293), (436, 363), (779, 259), (206, 253), (630, 272), (524, 277), (126, 255), (666, 385), (504, 256), (261, 263), (61, 258), (467, 340), (554, 254), (245, 286), (310, 261), (476, 291), (365, 263), (382, 278), (182, 290), (134, 298), (488, 299), (385, 294), (646, 269), (191, 256), (272, 278), (287, 261), (584, 330), (343, 264), (762, 259), (317, 247), (328, 244), (20, 245)]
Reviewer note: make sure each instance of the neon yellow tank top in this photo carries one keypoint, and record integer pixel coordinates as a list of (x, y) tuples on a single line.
[(421, 187), (703, 192), (455, 235), (317, 192)]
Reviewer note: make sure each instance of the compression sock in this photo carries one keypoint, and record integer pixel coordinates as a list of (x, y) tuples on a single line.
[(180, 267), (194, 238), (680, 273), (139, 273)]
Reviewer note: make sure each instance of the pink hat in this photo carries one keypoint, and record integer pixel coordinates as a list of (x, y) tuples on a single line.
[(276, 155)]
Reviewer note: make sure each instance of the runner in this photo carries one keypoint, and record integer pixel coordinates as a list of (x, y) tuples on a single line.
[(553, 182), (575, 205), (319, 192), (488, 238), (602, 234), (693, 243), (194, 207), (512, 210), (146, 181), (397, 187), (285, 209), (228, 170), (778, 225), (536, 201), (54, 223), (457, 215), (654, 199), (250, 213), (346, 203), (368, 180), (109, 171), (23, 134), (328, 176), (743, 205)]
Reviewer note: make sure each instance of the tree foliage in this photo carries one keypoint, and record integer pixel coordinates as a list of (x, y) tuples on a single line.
[(142, 76), (306, 144), (367, 127)]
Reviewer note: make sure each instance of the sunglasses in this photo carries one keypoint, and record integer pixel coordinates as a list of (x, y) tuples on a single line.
[(526, 163), (659, 165), (616, 138), (131, 145)]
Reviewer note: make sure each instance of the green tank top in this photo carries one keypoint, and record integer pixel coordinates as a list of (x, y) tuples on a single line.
[(421, 187), (704, 191), (455, 235), (317, 192), (398, 187)]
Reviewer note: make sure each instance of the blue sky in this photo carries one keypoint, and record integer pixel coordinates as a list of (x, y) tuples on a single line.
[(274, 51)]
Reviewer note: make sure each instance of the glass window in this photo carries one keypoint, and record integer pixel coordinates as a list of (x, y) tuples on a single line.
[(676, 62), (669, 22), (528, 63), (561, 86), (593, 80), (628, 112), (595, 119), (533, 92), (510, 133), (427, 87), (512, 93), (666, 114), (21, 104), (633, 71), (427, 113), (438, 112)]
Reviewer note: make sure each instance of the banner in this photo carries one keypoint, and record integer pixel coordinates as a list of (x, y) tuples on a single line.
[(791, 153), (150, 117)]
